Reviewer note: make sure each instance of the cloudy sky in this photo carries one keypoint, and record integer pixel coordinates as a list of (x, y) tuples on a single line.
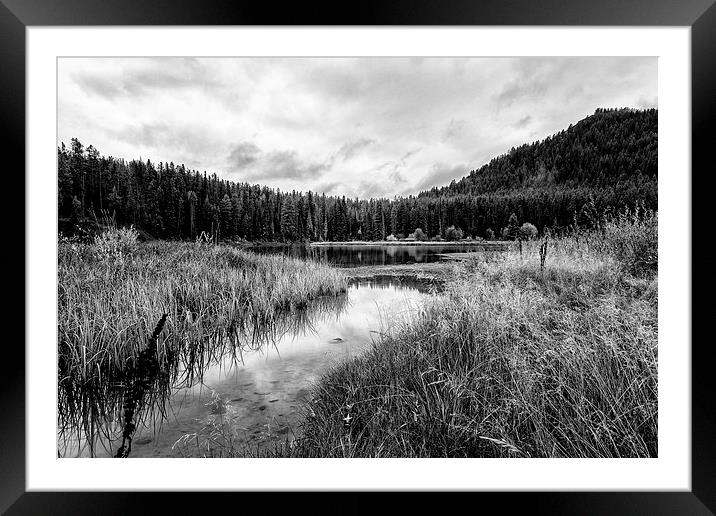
[(355, 127)]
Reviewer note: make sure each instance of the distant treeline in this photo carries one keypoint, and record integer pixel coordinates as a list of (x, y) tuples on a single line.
[(604, 162)]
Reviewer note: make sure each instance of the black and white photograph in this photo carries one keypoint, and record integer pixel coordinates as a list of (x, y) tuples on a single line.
[(357, 257)]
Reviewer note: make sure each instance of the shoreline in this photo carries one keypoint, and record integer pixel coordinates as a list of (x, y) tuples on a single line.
[(434, 271), (363, 243)]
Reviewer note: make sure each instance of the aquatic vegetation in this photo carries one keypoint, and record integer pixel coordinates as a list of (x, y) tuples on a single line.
[(547, 352), (217, 300), (522, 357)]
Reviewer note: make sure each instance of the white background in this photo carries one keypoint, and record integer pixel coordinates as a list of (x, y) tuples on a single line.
[(671, 470)]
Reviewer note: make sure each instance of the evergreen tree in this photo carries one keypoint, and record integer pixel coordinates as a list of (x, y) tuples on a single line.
[(191, 201), (513, 228), (378, 224), (588, 216), (309, 224), (76, 215), (227, 229), (598, 166), (288, 219)]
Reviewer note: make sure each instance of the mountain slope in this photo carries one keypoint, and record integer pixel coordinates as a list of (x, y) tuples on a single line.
[(607, 148), (608, 160)]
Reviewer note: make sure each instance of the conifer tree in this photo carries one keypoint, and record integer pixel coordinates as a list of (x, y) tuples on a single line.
[(226, 217), (513, 227), (191, 201), (288, 219)]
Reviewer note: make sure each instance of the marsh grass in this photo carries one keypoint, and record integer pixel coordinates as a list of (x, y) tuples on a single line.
[(548, 352), (219, 300), (516, 360)]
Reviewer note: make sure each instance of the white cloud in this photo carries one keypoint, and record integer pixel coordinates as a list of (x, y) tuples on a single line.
[(351, 126)]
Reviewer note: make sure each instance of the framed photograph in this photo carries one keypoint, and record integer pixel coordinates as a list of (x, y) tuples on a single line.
[(411, 249)]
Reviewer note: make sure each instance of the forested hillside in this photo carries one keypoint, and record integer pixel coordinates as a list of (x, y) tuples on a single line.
[(611, 146), (606, 161)]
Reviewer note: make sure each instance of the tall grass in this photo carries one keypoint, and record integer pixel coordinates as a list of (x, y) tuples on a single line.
[(632, 238), (514, 361), (113, 291)]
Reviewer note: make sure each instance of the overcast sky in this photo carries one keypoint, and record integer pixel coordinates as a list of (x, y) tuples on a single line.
[(355, 127)]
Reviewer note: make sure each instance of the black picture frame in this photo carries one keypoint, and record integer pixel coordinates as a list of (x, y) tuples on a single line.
[(700, 15)]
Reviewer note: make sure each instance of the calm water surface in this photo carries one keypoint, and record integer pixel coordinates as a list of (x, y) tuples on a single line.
[(260, 399), (359, 255)]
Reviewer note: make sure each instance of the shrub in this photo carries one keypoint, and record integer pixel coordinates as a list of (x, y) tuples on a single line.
[(632, 238), (115, 243), (419, 234), (453, 233), (528, 231), (489, 234), (391, 238)]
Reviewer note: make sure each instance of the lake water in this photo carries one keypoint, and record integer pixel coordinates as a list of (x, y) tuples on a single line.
[(359, 255), (259, 400)]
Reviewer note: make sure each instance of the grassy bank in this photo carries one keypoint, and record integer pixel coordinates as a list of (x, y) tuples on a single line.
[(515, 361), (113, 292)]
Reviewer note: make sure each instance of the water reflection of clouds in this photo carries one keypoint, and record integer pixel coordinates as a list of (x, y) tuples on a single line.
[(284, 356), (361, 313)]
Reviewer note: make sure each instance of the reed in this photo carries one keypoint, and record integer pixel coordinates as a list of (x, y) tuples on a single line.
[(218, 300), (521, 357)]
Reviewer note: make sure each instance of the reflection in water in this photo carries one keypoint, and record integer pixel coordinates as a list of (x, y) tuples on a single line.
[(360, 255), (258, 385), (141, 378), (100, 414)]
